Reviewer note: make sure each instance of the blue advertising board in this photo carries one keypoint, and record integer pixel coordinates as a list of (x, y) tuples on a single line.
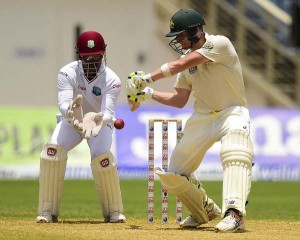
[(275, 135)]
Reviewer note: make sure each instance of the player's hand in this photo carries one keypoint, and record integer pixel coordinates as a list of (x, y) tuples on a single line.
[(91, 124), (74, 112), (134, 101), (137, 81), (133, 105)]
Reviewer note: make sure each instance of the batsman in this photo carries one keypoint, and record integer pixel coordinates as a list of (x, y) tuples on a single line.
[(87, 94), (210, 69)]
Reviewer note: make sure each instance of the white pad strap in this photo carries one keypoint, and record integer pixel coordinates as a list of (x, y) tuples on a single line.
[(193, 198), (52, 172), (236, 155), (107, 183)]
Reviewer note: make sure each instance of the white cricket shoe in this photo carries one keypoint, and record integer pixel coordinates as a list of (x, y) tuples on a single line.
[(46, 218), (189, 222), (115, 217), (232, 222), (212, 210)]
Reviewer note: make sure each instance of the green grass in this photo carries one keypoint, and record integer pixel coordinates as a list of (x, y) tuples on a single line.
[(19, 200)]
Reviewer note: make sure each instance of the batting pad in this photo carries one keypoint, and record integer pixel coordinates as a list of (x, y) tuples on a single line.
[(192, 197), (107, 183), (52, 172), (236, 155)]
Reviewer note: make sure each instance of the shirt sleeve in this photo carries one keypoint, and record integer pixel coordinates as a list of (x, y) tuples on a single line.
[(218, 49), (109, 102), (65, 92)]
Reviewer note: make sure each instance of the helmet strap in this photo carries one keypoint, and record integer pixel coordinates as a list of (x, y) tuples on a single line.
[(193, 37)]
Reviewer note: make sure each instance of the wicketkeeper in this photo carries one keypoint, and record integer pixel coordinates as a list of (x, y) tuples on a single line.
[(210, 68), (87, 95)]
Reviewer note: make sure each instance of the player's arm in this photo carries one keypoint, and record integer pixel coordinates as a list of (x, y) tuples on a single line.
[(65, 93), (178, 98), (172, 68), (137, 81)]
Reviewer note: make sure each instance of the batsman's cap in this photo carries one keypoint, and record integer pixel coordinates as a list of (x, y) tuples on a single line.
[(183, 20), (90, 43)]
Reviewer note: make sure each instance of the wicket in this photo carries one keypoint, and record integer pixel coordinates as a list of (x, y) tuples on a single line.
[(165, 148)]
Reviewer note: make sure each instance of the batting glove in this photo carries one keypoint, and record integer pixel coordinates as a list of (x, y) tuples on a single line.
[(137, 81), (142, 96)]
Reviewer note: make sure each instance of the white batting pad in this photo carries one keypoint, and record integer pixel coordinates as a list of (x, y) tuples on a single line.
[(236, 155), (52, 172), (192, 197), (107, 183)]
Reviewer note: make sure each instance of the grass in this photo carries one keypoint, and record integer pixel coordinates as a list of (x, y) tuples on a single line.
[(268, 200), (273, 213)]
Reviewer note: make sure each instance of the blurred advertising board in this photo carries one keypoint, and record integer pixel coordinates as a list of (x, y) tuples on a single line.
[(275, 135)]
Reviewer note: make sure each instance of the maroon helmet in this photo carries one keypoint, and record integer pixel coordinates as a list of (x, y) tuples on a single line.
[(91, 51), (90, 43)]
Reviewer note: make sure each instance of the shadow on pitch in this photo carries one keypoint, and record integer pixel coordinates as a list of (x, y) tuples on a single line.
[(81, 222)]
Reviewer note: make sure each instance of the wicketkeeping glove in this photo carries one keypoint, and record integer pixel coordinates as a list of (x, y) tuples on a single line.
[(74, 112), (91, 124), (137, 81)]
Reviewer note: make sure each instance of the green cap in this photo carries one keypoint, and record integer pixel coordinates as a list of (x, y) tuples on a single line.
[(183, 20)]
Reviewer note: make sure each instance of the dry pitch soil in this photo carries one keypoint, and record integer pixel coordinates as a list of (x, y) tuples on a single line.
[(139, 229)]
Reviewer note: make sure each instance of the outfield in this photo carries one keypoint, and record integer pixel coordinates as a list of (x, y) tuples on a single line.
[(273, 213)]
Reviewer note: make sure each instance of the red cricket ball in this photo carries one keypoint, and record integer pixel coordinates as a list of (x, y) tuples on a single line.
[(119, 123)]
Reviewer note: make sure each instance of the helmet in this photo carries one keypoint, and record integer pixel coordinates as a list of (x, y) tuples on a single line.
[(90, 43), (183, 20)]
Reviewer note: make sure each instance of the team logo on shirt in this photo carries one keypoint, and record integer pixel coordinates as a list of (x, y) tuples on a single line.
[(96, 91), (193, 70), (208, 46)]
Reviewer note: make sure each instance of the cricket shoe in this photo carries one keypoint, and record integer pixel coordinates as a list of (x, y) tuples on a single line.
[(115, 217), (232, 222), (46, 218), (212, 210), (189, 222)]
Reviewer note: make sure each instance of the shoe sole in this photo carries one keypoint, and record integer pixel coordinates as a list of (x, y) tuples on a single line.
[(42, 221), (238, 230), (118, 221)]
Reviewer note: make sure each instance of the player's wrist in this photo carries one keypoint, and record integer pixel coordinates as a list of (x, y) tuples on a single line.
[(148, 92), (148, 79)]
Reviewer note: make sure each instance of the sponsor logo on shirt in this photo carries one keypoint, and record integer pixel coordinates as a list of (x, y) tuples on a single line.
[(116, 85), (81, 88), (192, 70), (96, 91)]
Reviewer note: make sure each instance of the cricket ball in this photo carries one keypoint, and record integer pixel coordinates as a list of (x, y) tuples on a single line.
[(119, 123)]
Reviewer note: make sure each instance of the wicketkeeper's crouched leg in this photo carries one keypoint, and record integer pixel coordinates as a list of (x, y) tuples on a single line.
[(107, 182), (52, 171)]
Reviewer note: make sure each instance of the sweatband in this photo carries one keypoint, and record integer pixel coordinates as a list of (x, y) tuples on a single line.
[(165, 70)]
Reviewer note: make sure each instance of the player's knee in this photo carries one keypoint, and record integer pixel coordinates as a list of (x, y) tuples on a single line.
[(237, 147), (104, 162), (53, 152)]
